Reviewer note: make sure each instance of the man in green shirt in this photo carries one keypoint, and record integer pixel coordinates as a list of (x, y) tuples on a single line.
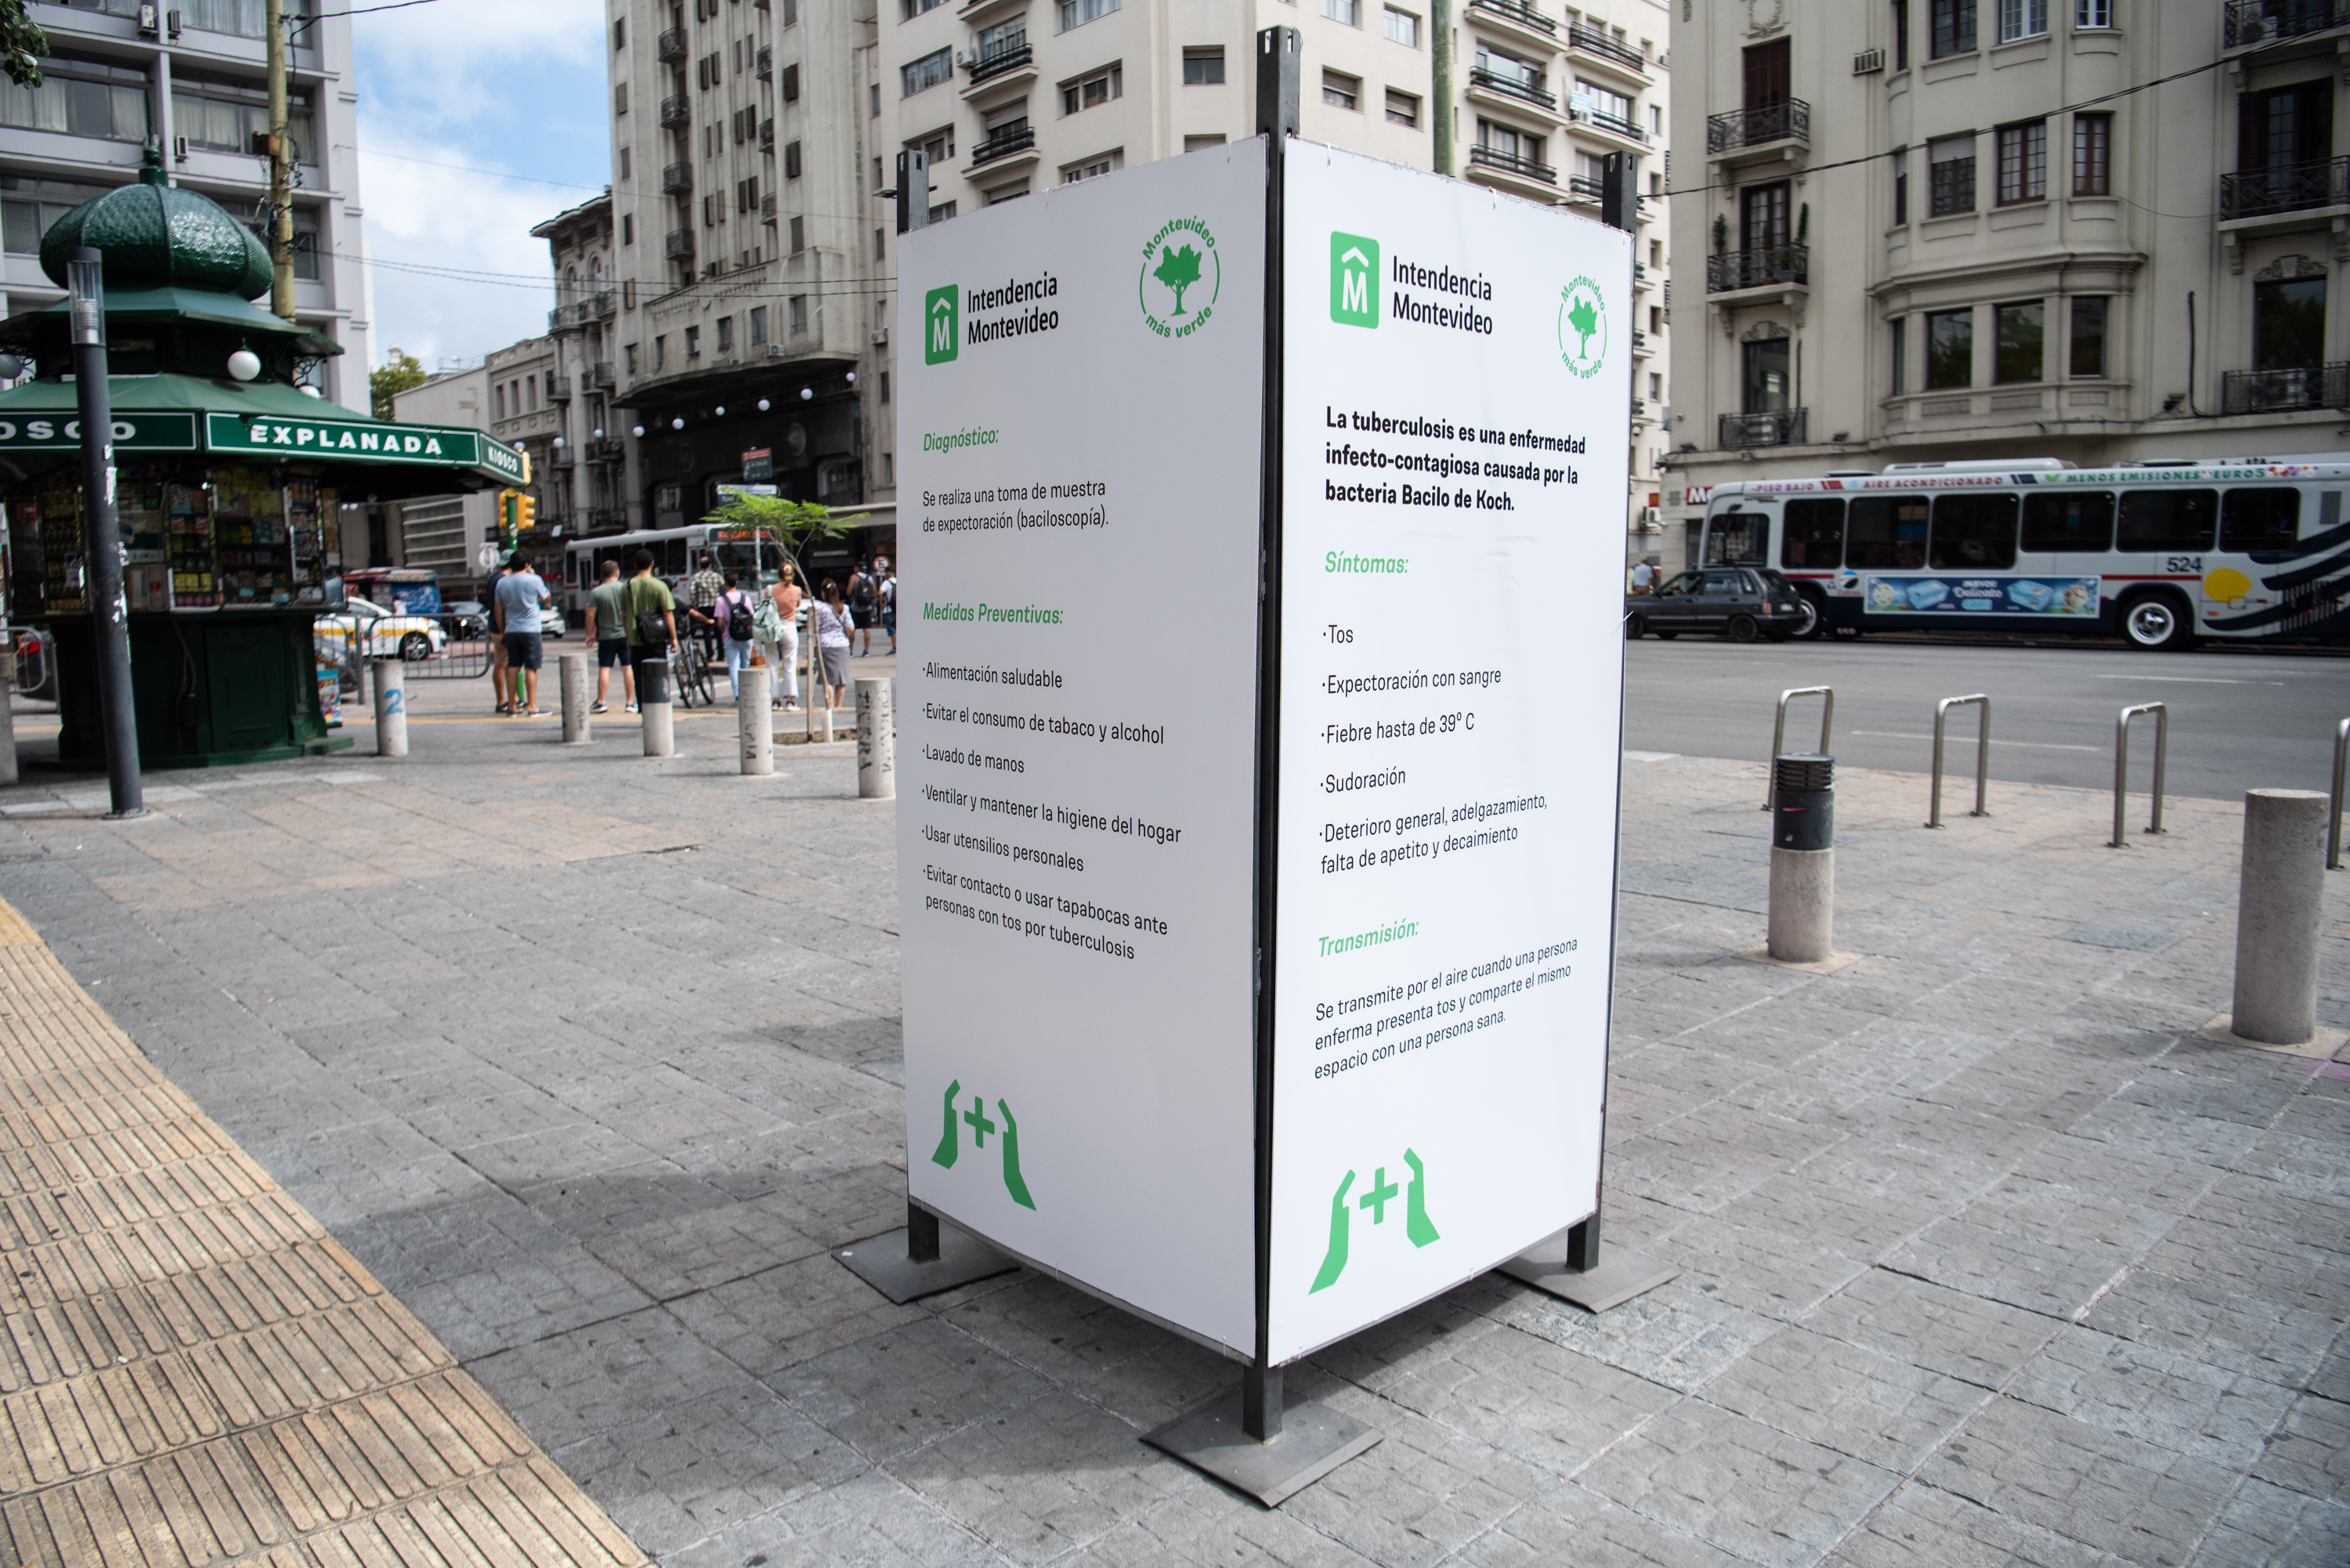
[(607, 629), (645, 592)]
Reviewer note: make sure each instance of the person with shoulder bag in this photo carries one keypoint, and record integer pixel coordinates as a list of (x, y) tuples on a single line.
[(652, 618)]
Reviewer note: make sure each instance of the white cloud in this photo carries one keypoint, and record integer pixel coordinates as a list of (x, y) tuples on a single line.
[(460, 58)]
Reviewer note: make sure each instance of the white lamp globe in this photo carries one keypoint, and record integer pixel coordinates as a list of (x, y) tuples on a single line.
[(640, 433), (763, 405), (244, 364), (678, 423), (806, 393), (721, 411)]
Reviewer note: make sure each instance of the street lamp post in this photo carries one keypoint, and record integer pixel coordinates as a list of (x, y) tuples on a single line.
[(102, 536)]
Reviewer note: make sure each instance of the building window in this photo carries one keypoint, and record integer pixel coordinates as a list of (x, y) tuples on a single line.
[(693, 342), (1195, 143), (1078, 13), (1900, 35), (2088, 348), (1340, 90), (1093, 91), (498, 401), (628, 228), (916, 7), (2289, 325), (2093, 154), (2018, 354), (2021, 20), (885, 386), (798, 233), (791, 160), (661, 353), (2093, 13), (1900, 368), (1954, 27), (629, 355), (219, 116), (1203, 68), (1345, 11), (726, 335), (758, 325), (620, 98), (1092, 168), (624, 162), (2024, 162), (1508, 142), (1011, 193), (927, 72), (877, 244), (1403, 109), (1950, 167), (1900, 185), (796, 308), (1402, 27), (620, 34), (1765, 386), (1949, 349), (873, 100)]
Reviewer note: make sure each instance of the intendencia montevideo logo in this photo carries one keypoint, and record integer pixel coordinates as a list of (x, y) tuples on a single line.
[(1354, 280), (941, 325), (1181, 277)]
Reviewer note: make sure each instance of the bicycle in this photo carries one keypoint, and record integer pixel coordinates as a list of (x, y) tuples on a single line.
[(689, 674)]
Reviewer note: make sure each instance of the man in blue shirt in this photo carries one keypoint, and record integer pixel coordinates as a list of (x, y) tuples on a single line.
[(520, 596)]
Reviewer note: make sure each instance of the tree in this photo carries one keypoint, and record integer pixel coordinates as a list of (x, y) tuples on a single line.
[(21, 45), (791, 524), (1178, 270), (399, 372), (1585, 321)]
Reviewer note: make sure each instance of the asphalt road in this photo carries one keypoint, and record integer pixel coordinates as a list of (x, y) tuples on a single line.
[(2239, 720)]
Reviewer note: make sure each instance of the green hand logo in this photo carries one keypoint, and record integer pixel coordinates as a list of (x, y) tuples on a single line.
[(1418, 1228), (950, 1147)]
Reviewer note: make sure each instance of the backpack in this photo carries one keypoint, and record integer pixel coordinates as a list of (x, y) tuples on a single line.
[(652, 625), (862, 595), (738, 618)]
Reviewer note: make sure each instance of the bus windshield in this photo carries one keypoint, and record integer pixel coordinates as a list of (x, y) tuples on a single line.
[(1737, 539), (758, 561)]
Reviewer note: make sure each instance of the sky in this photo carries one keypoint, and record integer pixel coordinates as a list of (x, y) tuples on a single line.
[(476, 122)]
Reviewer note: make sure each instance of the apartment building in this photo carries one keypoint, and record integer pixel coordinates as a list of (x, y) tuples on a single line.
[(747, 278), (191, 76), (1940, 230), (1011, 97), (584, 487), (444, 534)]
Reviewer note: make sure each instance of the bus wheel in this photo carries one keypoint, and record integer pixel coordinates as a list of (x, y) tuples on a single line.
[(1635, 626), (2155, 621), (1815, 623), (1742, 628)]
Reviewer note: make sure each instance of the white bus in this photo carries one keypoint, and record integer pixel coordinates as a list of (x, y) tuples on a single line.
[(760, 559), (2159, 555)]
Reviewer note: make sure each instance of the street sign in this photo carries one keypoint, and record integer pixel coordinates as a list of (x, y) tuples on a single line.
[(759, 464), (487, 557), (133, 432)]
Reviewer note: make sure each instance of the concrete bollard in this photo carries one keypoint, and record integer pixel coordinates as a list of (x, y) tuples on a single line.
[(877, 739), (758, 725), (2279, 915), (1803, 858), (579, 691), (7, 715), (653, 707), (391, 684)]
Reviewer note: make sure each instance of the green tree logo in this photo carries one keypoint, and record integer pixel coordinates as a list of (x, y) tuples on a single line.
[(1178, 260), (1583, 327)]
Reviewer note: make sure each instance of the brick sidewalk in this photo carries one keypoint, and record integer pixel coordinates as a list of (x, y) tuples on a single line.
[(1988, 1257)]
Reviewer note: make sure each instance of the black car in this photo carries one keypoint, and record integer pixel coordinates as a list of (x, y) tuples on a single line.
[(1740, 603)]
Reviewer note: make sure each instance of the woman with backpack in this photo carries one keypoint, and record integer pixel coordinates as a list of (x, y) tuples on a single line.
[(864, 602), (734, 614), (779, 632)]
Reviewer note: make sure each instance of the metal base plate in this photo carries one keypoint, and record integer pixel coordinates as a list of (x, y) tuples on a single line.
[(1621, 1275), (1315, 1440), (881, 1261)]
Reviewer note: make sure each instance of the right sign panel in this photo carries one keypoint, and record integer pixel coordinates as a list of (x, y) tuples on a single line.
[(1457, 372)]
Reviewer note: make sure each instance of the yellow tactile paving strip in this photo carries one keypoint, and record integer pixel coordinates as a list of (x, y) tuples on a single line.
[(192, 1371)]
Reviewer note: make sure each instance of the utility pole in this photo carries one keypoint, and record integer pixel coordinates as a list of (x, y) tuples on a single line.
[(281, 168), (102, 580)]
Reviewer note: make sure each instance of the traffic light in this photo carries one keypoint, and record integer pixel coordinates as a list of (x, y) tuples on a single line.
[(526, 513), (506, 509)]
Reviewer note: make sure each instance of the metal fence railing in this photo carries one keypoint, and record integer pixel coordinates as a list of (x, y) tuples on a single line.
[(441, 647), (37, 666)]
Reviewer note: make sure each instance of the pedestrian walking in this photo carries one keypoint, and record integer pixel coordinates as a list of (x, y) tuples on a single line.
[(701, 591), (521, 594), (832, 628), (650, 607), (1644, 575), (864, 605), (607, 628), (499, 696), (737, 619), (890, 606), (779, 633)]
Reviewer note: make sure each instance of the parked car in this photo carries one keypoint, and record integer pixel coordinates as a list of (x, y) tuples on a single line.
[(378, 633), (467, 617), (1740, 603)]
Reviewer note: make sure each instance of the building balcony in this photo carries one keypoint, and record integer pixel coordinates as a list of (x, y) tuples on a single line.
[(1641, 277), (764, 67), (1518, 23), (1641, 347), (2251, 23), (1748, 135), (678, 243), (558, 391), (977, 12), (606, 448), (677, 110), (599, 377), (767, 208), (2282, 392), (1779, 426), (1513, 172), (1010, 144), (1608, 125), (1583, 189), (2292, 187), (767, 135), (604, 520), (563, 457), (1589, 44), (670, 45), (677, 179), (1733, 272), (1511, 90), (1008, 58)]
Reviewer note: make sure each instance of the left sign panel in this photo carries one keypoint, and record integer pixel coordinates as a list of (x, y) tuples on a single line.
[(1079, 414)]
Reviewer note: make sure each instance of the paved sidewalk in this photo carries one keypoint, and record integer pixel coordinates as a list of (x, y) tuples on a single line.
[(1988, 1257), (193, 1372)]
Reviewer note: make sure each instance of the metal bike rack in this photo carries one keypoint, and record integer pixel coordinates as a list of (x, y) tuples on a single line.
[(1983, 753), (1779, 733), (2121, 766), (2341, 777)]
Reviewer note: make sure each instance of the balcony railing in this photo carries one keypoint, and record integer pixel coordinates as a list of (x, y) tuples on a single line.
[(1788, 120), (2270, 21), (563, 457), (2273, 391), (677, 178), (1592, 41), (767, 208), (1524, 15), (670, 45), (1586, 188), (676, 111), (766, 65), (678, 243), (558, 391), (2292, 187), (1510, 164), (1525, 92), (1003, 143), (599, 375), (1008, 56), (605, 520), (1734, 270), (1781, 427), (1613, 124), (767, 135), (606, 448)]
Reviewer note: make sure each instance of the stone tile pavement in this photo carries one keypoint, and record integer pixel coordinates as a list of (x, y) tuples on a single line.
[(1988, 1257)]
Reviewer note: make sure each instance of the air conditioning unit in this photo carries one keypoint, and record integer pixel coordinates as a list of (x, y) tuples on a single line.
[(1652, 520), (880, 337), (1867, 61), (180, 148), (151, 21), (171, 22), (966, 59)]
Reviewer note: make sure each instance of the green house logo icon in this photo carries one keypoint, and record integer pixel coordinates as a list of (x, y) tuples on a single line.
[(941, 325), (1354, 280)]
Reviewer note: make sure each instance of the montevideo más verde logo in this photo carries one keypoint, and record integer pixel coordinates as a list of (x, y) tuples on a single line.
[(941, 325), (1354, 280), (1581, 327), (1181, 277)]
